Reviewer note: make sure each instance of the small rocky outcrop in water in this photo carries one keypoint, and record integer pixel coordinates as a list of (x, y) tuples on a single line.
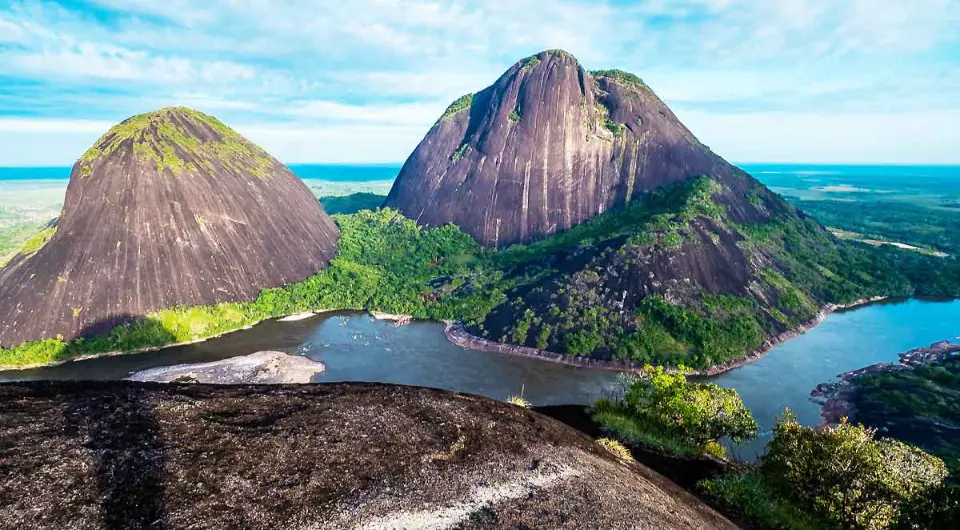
[(141, 455), (257, 368), (167, 208), (550, 145)]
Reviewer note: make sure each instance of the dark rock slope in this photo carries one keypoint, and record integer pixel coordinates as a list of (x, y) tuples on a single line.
[(550, 145), (167, 208), (136, 455)]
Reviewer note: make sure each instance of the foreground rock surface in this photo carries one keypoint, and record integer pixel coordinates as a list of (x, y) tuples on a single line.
[(262, 367), (144, 455)]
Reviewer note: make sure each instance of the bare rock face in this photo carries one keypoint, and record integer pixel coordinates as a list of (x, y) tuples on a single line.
[(262, 367), (548, 146), (338, 456), (167, 208)]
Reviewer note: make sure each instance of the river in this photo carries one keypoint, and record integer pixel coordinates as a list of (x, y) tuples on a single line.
[(356, 347)]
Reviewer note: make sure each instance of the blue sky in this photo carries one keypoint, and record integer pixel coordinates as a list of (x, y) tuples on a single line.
[(361, 81)]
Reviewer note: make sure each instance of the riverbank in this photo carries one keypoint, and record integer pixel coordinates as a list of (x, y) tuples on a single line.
[(456, 334), (836, 398), (73, 358), (460, 337)]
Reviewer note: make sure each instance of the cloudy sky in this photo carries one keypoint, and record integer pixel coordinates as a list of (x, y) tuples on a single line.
[(361, 81)]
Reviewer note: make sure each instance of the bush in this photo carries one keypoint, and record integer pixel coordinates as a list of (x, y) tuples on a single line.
[(665, 412), (697, 413), (616, 448), (519, 401), (845, 475), (747, 494)]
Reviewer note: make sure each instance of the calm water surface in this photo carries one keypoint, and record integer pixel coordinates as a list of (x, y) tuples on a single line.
[(844, 341), (355, 347)]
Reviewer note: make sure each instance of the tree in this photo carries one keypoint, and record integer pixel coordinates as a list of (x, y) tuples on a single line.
[(846, 475), (697, 413)]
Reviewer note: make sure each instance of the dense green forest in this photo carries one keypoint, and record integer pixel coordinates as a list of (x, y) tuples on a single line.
[(568, 293), (552, 292), (930, 227), (352, 203)]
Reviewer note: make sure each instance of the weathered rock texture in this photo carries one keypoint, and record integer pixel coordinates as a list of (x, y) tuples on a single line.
[(167, 208), (550, 145), (262, 367), (140, 455)]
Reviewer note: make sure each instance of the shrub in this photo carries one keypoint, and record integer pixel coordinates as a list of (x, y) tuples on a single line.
[(616, 448), (519, 401), (749, 495), (665, 412), (458, 154), (461, 103), (846, 475), (698, 413)]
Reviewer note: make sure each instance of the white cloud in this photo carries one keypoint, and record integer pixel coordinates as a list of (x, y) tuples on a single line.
[(392, 65), (402, 114), (43, 126), (875, 138), (338, 143)]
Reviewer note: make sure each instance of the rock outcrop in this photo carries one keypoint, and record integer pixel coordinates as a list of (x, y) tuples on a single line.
[(262, 367), (550, 145), (167, 208), (141, 455)]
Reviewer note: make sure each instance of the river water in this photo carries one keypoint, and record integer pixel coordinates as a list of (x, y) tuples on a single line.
[(356, 347)]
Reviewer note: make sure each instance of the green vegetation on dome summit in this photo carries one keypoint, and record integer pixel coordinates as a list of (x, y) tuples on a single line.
[(163, 138)]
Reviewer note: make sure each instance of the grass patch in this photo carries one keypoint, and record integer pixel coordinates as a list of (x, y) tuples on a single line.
[(461, 103), (519, 401), (623, 426), (616, 448)]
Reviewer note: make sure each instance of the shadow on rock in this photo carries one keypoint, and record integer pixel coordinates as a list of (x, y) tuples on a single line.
[(123, 438)]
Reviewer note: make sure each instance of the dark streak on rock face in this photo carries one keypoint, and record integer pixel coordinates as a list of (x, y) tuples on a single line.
[(534, 155), (136, 235)]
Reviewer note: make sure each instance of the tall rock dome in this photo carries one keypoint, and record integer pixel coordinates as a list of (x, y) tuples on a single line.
[(550, 145), (167, 208)]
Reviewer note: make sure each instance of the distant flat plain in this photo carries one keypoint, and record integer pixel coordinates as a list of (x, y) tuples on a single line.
[(909, 205)]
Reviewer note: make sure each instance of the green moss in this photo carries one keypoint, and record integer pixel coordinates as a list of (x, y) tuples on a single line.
[(458, 154), (619, 76), (159, 137), (603, 116), (530, 63), (35, 243), (461, 103)]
